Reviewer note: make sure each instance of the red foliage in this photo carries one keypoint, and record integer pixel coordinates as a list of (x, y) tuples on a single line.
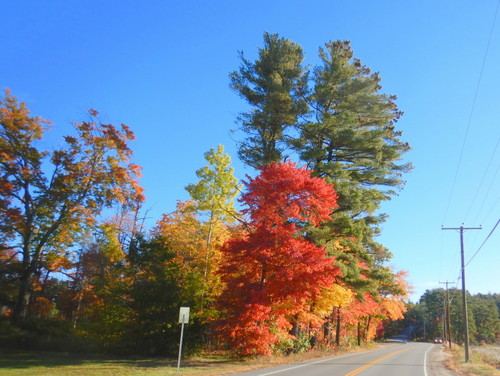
[(274, 272)]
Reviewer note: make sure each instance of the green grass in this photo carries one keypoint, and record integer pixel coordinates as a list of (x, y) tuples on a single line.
[(62, 364), (31, 363), (59, 364)]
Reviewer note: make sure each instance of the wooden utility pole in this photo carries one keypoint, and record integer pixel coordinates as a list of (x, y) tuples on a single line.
[(447, 315), (464, 297)]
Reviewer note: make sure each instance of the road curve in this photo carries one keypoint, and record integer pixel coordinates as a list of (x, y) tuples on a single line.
[(400, 359)]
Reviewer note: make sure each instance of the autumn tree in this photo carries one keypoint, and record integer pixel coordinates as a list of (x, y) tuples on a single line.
[(183, 235), (274, 86), (48, 197), (213, 196), (272, 271)]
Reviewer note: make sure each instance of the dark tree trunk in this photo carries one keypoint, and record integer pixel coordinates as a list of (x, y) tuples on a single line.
[(359, 334), (327, 330), (367, 328), (25, 289), (295, 328), (337, 332)]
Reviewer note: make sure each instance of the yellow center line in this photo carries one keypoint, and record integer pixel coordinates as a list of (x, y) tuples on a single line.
[(362, 368)]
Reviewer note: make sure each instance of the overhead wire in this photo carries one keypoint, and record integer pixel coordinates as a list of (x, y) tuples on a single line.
[(487, 193), (485, 240), (481, 183), (459, 164)]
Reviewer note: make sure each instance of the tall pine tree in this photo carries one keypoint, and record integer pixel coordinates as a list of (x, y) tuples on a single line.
[(275, 86), (352, 141)]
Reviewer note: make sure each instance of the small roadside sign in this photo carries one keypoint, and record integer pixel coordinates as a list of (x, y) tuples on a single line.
[(183, 319), (184, 315)]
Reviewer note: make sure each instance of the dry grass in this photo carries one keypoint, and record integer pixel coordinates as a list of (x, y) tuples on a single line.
[(484, 361)]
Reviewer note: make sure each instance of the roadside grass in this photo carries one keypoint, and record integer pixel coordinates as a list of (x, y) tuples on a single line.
[(484, 361), (66, 364)]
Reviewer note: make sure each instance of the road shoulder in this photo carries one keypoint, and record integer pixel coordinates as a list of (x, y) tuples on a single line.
[(436, 362)]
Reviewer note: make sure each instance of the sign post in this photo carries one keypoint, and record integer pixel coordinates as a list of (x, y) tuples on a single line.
[(183, 319)]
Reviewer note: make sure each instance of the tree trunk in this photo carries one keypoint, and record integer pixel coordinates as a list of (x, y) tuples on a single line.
[(359, 333), (295, 327), (337, 333), (327, 330), (25, 289), (367, 328)]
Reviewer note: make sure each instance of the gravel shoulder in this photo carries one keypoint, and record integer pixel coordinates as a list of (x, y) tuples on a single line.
[(436, 362)]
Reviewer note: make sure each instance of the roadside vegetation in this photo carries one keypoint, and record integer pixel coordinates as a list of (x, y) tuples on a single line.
[(296, 266), (484, 361)]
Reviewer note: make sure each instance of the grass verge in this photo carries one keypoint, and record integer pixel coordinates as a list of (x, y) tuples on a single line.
[(484, 361), (66, 364)]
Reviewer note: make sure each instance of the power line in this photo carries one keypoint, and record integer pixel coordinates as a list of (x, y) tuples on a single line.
[(492, 208), (471, 113), (485, 240), (487, 193), (482, 181)]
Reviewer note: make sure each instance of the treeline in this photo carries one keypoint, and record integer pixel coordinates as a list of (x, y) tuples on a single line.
[(298, 266), (427, 317)]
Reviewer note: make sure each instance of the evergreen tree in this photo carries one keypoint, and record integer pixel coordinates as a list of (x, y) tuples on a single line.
[(275, 87), (353, 141), (343, 128)]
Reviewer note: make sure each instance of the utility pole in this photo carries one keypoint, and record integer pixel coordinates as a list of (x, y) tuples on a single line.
[(464, 298), (447, 313)]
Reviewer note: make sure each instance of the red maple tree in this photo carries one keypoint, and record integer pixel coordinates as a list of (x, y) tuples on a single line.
[(273, 272)]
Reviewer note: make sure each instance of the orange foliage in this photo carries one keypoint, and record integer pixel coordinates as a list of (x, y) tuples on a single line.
[(274, 273)]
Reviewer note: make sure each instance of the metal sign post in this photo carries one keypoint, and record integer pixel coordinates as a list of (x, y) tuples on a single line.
[(183, 319)]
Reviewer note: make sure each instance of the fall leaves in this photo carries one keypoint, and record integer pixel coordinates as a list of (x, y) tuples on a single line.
[(273, 273), (257, 280), (275, 277)]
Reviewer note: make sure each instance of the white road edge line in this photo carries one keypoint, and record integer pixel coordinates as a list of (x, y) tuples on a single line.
[(425, 360), (316, 362)]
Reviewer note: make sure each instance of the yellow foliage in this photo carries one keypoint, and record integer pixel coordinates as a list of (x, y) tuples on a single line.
[(334, 296)]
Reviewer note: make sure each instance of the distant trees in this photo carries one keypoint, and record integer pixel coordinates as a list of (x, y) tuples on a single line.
[(484, 321)]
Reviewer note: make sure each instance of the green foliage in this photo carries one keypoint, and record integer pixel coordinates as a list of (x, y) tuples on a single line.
[(353, 142), (483, 314), (293, 345), (337, 122), (275, 86), (42, 334), (138, 312), (486, 317), (217, 188)]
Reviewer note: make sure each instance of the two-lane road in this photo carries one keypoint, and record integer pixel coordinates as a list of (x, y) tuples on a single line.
[(403, 359)]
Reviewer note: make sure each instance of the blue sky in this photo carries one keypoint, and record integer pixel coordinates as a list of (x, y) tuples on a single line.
[(162, 68)]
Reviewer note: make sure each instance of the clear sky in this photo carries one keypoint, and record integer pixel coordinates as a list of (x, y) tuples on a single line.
[(162, 68)]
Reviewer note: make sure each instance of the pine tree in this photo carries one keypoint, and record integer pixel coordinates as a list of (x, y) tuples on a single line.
[(353, 141), (275, 86)]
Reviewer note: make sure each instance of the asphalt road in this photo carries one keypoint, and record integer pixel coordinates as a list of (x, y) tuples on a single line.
[(400, 359)]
